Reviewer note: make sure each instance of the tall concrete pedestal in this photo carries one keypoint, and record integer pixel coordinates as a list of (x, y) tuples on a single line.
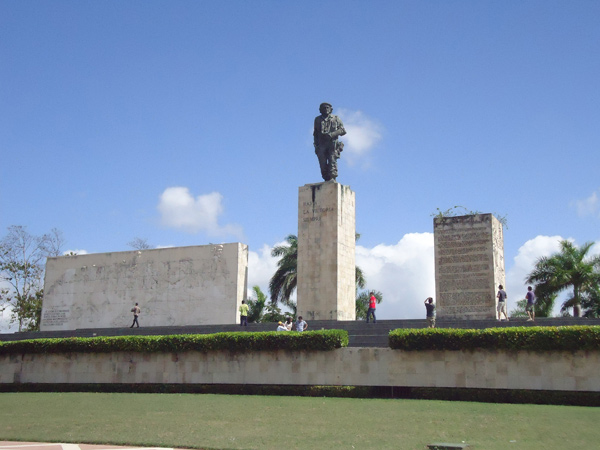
[(469, 266), (326, 252)]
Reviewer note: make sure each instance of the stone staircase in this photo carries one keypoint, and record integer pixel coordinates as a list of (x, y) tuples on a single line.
[(361, 334)]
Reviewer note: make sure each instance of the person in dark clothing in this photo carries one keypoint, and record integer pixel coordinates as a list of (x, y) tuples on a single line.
[(430, 306)]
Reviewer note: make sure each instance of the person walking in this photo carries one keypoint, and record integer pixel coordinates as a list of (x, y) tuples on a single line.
[(244, 314), (529, 308), (372, 306), (501, 307), (430, 306), (136, 312)]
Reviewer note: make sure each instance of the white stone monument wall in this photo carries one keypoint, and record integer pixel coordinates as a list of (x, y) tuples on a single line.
[(326, 252), (197, 285), (469, 265)]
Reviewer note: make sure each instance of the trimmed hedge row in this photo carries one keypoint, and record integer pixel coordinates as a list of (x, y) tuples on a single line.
[(234, 342), (569, 338)]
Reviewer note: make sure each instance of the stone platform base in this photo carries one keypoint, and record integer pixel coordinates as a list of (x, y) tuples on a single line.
[(361, 334)]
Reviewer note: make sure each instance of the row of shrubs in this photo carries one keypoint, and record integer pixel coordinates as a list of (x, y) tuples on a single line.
[(569, 338), (234, 341)]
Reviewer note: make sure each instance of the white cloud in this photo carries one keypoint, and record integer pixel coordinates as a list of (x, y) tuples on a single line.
[(524, 263), (403, 272), (588, 206), (261, 267), (363, 133), (180, 210), (5, 325)]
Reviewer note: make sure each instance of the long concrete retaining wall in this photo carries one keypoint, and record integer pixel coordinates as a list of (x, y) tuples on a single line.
[(560, 371)]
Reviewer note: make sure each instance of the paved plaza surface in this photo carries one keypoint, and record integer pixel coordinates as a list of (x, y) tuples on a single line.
[(11, 445)]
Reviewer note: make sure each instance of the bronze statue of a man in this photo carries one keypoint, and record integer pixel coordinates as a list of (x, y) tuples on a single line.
[(327, 147)]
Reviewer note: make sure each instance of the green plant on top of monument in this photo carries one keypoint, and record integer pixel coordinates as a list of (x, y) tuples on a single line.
[(570, 268), (138, 243), (462, 211), (450, 212), (22, 259)]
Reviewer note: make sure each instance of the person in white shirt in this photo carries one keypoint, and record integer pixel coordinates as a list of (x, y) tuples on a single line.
[(301, 325)]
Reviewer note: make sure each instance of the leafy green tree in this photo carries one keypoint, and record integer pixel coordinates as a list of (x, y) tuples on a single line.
[(273, 313), (565, 270), (544, 302), (362, 303), (256, 305), (22, 263), (519, 311), (543, 307), (590, 302), (262, 311)]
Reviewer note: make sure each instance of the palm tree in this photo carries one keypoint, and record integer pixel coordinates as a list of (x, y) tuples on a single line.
[(565, 270), (261, 311), (362, 303), (285, 279), (359, 276), (543, 307), (256, 305), (590, 301)]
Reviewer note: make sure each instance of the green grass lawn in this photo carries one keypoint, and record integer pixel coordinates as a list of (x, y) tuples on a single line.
[(269, 422)]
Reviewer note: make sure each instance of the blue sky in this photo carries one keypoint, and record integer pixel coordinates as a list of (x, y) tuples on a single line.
[(189, 122)]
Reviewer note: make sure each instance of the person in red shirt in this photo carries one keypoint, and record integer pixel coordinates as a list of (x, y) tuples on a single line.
[(372, 306)]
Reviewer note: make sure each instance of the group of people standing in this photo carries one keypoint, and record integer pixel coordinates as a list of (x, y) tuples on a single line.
[(529, 306), (288, 325), (501, 307)]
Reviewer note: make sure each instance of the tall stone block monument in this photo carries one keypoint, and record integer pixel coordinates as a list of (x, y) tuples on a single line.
[(326, 252), (469, 265), (198, 285)]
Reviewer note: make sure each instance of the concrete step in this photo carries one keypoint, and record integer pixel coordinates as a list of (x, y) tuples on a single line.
[(360, 333), (367, 341)]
